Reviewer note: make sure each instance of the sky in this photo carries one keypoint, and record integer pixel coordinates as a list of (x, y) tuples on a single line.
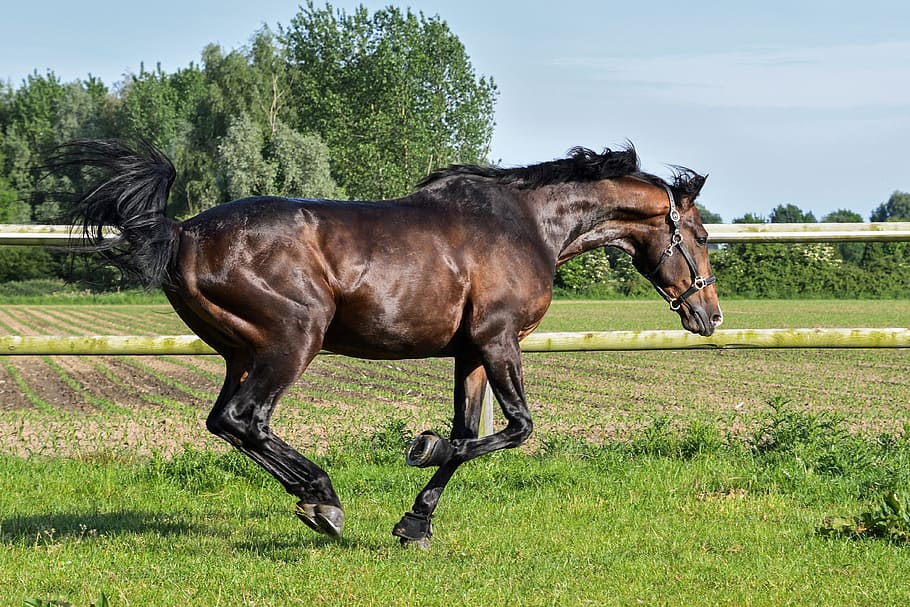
[(780, 102)]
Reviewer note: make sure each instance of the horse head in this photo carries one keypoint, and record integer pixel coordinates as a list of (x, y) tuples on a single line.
[(672, 253)]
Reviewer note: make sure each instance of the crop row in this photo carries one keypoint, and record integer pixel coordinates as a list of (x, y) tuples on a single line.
[(160, 402)]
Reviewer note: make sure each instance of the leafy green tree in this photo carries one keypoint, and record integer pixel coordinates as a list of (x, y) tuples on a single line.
[(842, 216), (850, 252), (302, 165), (584, 271), (790, 213), (240, 162), (708, 216), (285, 162), (35, 109), (12, 209), (393, 94), (25, 263), (42, 113), (897, 208), (750, 218), (149, 107), (775, 270), (878, 257)]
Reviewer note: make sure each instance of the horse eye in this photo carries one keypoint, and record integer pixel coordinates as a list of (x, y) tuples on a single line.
[(701, 240)]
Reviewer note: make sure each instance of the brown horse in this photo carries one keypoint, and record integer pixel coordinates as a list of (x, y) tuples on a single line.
[(463, 268)]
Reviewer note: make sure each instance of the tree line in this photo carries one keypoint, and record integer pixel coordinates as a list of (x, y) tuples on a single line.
[(357, 105)]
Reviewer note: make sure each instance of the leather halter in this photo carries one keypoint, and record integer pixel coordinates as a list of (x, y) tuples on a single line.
[(676, 242)]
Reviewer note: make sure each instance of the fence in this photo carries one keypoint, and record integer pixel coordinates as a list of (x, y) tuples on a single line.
[(537, 342), (720, 233)]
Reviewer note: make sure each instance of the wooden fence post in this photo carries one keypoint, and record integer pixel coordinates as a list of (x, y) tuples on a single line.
[(486, 412)]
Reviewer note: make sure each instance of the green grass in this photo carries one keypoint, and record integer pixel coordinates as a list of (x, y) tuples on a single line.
[(686, 505), (59, 293), (644, 521)]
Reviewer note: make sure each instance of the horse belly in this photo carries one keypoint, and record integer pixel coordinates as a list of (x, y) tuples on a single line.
[(390, 336), (401, 327)]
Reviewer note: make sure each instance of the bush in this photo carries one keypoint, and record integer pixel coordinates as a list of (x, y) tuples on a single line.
[(25, 263)]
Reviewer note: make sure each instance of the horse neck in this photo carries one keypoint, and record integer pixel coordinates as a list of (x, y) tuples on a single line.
[(577, 217)]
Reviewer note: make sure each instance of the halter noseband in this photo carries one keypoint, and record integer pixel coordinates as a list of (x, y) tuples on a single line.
[(676, 241)]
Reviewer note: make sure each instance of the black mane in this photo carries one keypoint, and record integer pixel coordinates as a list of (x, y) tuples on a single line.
[(581, 165)]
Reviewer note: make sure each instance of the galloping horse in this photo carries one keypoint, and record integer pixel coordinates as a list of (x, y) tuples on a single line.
[(463, 267)]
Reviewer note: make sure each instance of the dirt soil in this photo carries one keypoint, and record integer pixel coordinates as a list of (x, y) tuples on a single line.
[(135, 405)]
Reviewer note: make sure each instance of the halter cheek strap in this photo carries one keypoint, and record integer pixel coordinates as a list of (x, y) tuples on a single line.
[(699, 282)]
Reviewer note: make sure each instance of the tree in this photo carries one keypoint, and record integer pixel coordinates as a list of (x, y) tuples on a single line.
[(393, 95), (776, 270), (12, 209), (240, 163), (750, 218), (149, 107), (302, 164), (284, 163), (42, 113), (708, 216), (851, 252), (790, 214), (897, 208), (882, 255)]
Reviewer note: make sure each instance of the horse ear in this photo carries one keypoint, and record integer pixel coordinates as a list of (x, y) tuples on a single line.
[(693, 189), (698, 182)]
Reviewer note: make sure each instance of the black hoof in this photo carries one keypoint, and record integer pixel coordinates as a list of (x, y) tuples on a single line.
[(428, 449), (321, 518), (414, 530)]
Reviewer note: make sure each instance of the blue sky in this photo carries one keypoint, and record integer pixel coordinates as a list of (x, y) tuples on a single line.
[(803, 102)]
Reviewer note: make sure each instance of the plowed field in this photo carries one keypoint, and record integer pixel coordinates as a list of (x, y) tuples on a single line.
[(138, 404)]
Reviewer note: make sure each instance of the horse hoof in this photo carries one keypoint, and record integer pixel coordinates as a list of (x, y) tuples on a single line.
[(414, 530), (428, 449), (321, 518)]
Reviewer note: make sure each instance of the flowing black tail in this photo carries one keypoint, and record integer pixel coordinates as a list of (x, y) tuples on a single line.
[(127, 189)]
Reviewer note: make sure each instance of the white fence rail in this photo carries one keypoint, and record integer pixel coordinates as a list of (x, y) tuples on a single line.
[(59, 235), (592, 341)]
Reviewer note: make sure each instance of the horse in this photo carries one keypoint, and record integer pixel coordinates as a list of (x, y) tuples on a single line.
[(462, 267)]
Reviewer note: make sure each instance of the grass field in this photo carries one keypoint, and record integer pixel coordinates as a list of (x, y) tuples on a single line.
[(693, 477)]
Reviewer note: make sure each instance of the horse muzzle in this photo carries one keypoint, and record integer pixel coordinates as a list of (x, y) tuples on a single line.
[(702, 320)]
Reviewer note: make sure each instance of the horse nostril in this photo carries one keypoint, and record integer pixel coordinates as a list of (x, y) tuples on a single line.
[(717, 320)]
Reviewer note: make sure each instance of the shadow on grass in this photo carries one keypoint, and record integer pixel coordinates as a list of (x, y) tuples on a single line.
[(61, 526)]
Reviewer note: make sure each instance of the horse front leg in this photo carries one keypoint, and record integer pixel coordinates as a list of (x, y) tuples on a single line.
[(502, 367), (415, 527)]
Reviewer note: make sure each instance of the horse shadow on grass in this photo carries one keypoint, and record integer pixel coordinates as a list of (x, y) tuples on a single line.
[(55, 527), (64, 527)]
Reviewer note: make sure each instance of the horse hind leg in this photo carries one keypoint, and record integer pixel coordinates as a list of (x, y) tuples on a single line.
[(241, 416)]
